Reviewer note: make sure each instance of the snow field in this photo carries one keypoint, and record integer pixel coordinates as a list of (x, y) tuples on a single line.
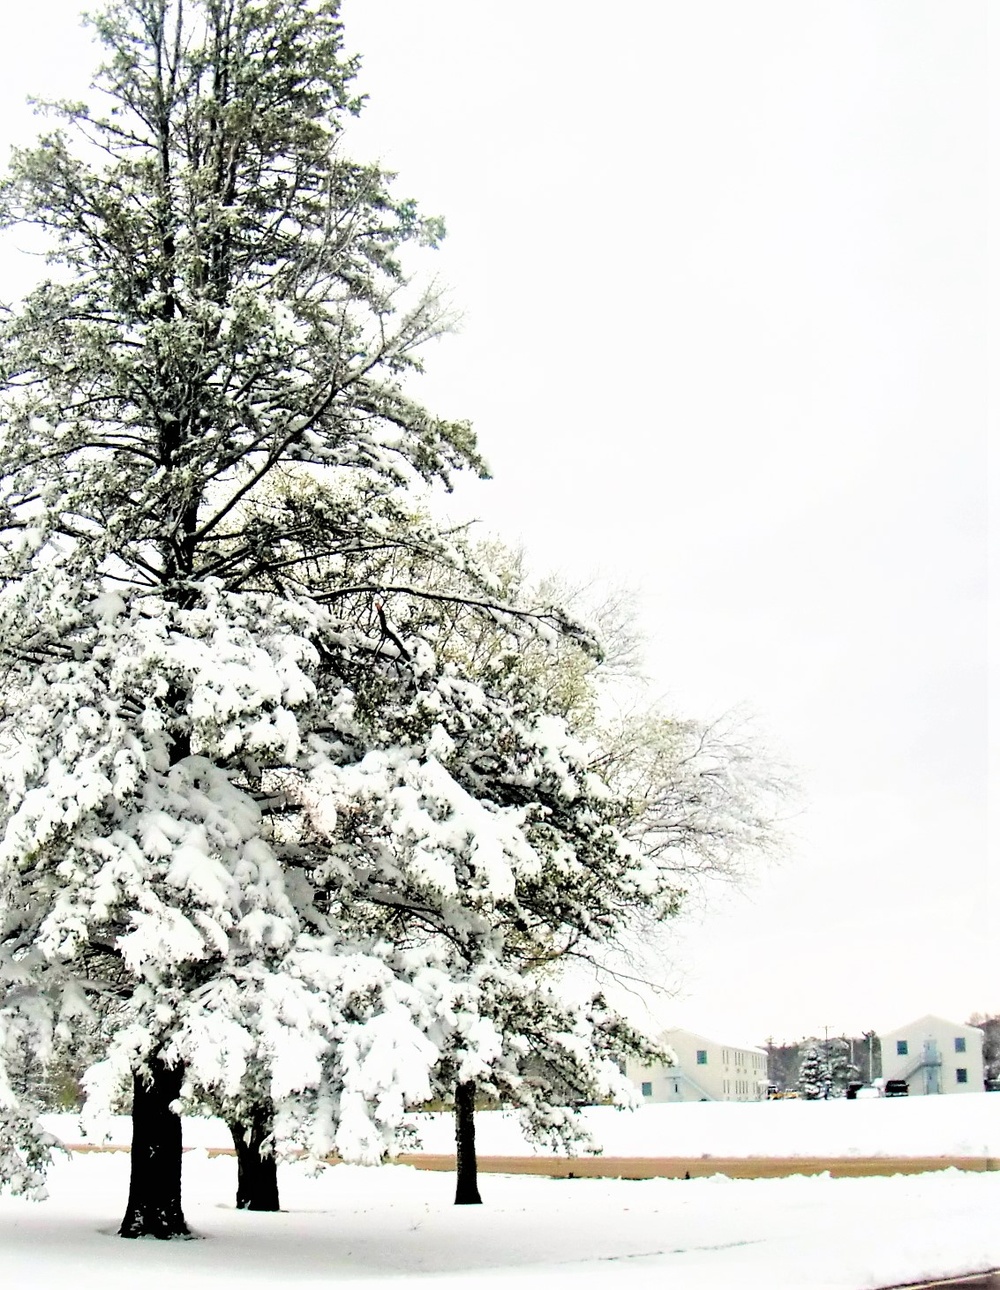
[(967, 1125), (353, 1226), (960, 1125)]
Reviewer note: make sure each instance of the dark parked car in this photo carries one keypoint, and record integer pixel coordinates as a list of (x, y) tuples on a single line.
[(896, 1088)]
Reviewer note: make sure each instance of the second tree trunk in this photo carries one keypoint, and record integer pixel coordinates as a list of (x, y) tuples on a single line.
[(466, 1176), (257, 1180)]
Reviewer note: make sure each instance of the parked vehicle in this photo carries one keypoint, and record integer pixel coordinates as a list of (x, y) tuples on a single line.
[(896, 1088)]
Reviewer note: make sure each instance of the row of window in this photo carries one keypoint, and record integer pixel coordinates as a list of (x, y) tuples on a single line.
[(755, 1061), (743, 1086), (903, 1046)]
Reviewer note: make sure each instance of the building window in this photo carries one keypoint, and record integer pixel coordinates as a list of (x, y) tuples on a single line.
[(962, 1075), (676, 1088), (702, 1056), (901, 1048), (647, 1088), (960, 1044)]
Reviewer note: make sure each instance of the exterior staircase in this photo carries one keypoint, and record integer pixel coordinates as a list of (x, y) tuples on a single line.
[(929, 1061), (702, 1093)]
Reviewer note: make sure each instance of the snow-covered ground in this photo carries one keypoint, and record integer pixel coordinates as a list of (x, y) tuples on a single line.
[(355, 1226), (921, 1126), (966, 1125)]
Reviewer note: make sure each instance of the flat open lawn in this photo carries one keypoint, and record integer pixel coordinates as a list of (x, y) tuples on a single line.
[(396, 1225)]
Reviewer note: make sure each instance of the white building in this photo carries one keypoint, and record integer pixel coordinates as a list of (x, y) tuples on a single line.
[(705, 1071), (934, 1056)]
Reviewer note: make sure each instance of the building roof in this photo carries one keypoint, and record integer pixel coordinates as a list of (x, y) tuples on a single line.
[(922, 1023), (719, 1043)]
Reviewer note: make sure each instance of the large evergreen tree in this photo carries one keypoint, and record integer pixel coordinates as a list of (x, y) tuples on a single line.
[(227, 300), (307, 858), (814, 1074)]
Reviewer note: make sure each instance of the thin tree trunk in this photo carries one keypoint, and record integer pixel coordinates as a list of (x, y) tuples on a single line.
[(257, 1179), (154, 1197), (466, 1184)]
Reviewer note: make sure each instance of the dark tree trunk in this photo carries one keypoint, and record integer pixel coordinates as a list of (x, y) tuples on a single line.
[(257, 1180), (154, 1197), (466, 1184)]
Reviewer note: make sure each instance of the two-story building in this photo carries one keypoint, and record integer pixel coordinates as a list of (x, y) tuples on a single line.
[(705, 1071), (934, 1056)]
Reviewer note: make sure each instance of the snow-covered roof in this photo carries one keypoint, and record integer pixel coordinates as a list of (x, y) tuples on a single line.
[(718, 1043), (930, 1021)]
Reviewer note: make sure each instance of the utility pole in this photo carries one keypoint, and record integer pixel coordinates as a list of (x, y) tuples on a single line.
[(870, 1036)]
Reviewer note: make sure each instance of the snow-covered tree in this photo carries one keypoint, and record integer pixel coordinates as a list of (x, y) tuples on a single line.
[(842, 1071), (814, 1075), (462, 824), (705, 799), (309, 861), (990, 1026), (826, 1069), (258, 800), (227, 300), (695, 800)]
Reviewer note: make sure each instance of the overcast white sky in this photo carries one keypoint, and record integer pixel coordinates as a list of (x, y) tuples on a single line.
[(723, 271)]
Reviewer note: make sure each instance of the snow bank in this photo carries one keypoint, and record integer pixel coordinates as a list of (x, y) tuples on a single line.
[(966, 1125)]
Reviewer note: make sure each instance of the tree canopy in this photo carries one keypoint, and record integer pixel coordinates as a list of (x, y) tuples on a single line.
[(281, 789), (243, 798)]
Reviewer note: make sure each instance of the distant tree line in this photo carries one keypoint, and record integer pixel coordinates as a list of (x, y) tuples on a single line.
[(850, 1057), (990, 1026)]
